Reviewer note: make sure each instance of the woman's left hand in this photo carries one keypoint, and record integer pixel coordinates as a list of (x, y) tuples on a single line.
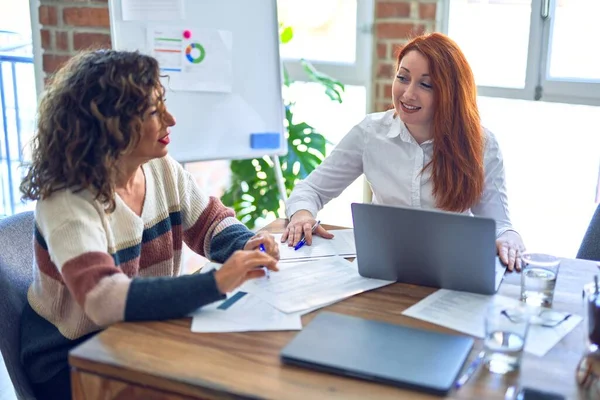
[(510, 247), (266, 239)]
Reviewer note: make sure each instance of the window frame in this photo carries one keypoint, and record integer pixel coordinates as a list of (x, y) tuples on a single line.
[(36, 42), (357, 73), (537, 78)]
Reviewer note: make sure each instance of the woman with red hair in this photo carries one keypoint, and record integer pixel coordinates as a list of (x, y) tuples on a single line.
[(429, 152)]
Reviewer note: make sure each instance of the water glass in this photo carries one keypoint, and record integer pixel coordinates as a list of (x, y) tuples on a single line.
[(588, 369), (591, 317), (538, 278), (505, 333)]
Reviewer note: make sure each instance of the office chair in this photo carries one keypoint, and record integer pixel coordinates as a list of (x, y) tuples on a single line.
[(590, 245), (16, 259)]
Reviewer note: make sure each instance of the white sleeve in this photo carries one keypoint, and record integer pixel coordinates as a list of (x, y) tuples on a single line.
[(494, 200), (328, 180)]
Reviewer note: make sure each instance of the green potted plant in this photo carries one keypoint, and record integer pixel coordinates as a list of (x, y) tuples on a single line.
[(253, 192)]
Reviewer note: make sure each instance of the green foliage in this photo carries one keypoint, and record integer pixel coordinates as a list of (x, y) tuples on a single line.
[(253, 193), (333, 88), (285, 34)]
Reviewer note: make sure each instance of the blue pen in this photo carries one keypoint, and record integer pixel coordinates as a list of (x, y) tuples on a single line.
[(470, 370), (261, 247), (302, 241)]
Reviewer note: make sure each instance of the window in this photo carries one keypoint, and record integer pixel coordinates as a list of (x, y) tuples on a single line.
[(334, 35), (17, 102), (333, 120), (529, 49)]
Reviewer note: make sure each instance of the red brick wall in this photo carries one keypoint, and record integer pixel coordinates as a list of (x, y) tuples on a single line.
[(395, 22), (71, 25)]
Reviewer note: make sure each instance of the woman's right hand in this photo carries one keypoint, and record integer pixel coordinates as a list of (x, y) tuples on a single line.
[(242, 266), (301, 223)]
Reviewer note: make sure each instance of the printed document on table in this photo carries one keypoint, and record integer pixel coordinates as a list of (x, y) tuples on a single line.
[(342, 244), (311, 284), (465, 312), (242, 312)]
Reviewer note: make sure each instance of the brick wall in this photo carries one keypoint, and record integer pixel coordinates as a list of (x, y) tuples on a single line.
[(71, 25), (395, 22)]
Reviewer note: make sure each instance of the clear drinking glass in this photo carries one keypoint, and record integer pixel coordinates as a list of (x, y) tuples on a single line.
[(591, 317), (588, 369), (538, 278), (505, 333)]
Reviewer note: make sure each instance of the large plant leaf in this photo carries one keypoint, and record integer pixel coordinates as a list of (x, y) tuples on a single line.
[(333, 87)]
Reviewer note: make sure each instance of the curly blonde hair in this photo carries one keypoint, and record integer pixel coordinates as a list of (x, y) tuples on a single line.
[(90, 115)]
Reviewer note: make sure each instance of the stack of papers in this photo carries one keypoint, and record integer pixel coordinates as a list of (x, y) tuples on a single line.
[(278, 302), (242, 312), (465, 312), (310, 285), (341, 245)]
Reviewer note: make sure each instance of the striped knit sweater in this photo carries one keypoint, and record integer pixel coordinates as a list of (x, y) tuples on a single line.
[(93, 269)]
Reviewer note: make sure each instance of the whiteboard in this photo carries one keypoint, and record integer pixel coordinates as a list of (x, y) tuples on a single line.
[(229, 116)]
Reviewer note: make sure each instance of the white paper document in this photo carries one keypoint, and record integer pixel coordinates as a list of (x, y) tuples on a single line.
[(194, 59), (243, 312), (152, 10), (342, 244), (209, 266), (465, 312), (309, 285)]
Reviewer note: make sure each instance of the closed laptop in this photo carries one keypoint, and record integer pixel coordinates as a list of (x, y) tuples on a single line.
[(381, 352)]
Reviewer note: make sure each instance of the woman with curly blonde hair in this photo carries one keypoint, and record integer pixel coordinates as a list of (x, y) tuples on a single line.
[(112, 213)]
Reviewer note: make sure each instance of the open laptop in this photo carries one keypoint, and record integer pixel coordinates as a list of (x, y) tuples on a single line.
[(427, 248), (381, 352)]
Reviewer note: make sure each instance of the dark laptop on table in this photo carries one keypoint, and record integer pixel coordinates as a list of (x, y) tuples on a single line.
[(381, 352), (427, 248)]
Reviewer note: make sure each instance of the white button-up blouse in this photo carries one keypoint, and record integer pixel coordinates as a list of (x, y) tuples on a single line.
[(382, 148)]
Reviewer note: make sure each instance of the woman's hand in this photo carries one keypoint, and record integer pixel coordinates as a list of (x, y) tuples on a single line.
[(242, 266), (302, 222), (510, 247), (265, 239)]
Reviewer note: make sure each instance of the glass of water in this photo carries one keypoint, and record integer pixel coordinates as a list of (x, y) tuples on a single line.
[(505, 333), (538, 278)]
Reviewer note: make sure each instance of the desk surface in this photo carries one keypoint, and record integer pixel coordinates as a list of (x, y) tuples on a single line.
[(166, 360)]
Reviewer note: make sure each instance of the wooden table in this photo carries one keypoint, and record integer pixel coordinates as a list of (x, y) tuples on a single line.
[(165, 360)]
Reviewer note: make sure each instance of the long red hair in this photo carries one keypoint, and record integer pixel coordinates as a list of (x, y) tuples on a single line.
[(458, 138)]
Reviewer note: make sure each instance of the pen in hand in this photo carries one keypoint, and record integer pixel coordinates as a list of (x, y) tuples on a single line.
[(261, 247), (470, 370), (302, 241)]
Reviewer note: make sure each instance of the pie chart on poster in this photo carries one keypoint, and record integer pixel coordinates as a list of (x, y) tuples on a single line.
[(195, 53)]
